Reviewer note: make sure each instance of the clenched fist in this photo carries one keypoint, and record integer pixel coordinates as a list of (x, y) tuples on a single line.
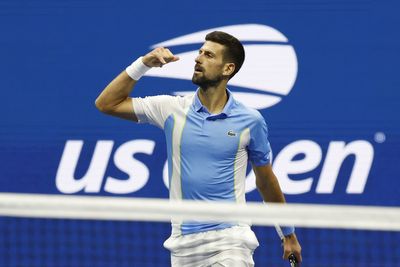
[(159, 57)]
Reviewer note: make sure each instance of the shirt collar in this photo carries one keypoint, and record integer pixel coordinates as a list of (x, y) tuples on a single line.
[(198, 106)]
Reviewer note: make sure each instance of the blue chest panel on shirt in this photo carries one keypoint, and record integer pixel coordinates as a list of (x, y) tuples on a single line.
[(208, 150)]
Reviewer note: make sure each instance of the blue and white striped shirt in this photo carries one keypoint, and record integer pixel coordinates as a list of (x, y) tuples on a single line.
[(207, 153)]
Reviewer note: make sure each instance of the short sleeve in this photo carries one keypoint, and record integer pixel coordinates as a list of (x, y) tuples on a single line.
[(259, 147), (154, 109)]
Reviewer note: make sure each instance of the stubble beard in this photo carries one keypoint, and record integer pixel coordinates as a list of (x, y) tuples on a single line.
[(205, 83)]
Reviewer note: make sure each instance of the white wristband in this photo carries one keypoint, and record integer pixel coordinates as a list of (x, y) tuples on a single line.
[(137, 69), (283, 231)]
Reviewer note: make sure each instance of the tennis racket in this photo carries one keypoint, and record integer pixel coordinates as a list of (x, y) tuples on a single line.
[(293, 261)]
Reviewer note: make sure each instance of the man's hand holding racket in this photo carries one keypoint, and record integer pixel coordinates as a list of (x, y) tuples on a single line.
[(292, 250)]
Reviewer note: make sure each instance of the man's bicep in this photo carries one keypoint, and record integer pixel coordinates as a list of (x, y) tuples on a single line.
[(125, 110), (259, 147)]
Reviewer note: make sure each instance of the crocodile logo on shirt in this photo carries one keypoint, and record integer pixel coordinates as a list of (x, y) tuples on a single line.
[(231, 133)]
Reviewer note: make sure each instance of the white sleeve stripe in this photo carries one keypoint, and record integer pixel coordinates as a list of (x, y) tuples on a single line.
[(138, 110)]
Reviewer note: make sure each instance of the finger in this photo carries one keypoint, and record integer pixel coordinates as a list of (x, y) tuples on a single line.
[(170, 57), (298, 256), (161, 58), (175, 59), (168, 53), (286, 254)]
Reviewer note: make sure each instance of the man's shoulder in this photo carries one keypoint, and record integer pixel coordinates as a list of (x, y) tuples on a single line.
[(248, 112), (172, 100), (185, 100)]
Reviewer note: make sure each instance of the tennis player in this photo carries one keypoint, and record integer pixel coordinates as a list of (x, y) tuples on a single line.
[(210, 138)]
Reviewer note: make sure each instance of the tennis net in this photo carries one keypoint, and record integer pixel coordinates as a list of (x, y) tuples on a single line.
[(59, 230)]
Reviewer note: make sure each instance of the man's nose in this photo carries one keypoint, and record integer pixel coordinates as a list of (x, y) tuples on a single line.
[(198, 59)]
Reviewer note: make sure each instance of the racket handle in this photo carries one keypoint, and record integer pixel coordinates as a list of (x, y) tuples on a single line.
[(293, 261)]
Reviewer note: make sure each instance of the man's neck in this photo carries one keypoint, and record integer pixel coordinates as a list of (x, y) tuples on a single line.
[(214, 98)]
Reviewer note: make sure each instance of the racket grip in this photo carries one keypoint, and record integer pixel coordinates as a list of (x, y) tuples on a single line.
[(293, 261)]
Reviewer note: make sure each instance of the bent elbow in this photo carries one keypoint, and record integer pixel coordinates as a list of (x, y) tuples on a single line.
[(101, 107)]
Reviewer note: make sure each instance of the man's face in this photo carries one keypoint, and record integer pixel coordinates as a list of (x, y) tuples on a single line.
[(209, 65)]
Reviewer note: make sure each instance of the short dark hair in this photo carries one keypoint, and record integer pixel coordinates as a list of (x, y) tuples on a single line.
[(234, 50)]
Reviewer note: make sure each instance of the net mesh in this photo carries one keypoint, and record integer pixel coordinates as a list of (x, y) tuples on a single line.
[(81, 242)]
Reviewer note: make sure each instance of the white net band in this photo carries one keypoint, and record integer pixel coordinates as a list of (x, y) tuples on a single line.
[(145, 209)]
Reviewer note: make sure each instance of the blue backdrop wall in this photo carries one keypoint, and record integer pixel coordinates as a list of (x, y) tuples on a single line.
[(324, 74)]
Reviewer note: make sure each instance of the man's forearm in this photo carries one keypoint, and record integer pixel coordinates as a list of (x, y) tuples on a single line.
[(271, 195), (270, 190), (115, 93), (114, 99)]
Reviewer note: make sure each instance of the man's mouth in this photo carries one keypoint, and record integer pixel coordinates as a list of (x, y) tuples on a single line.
[(198, 69)]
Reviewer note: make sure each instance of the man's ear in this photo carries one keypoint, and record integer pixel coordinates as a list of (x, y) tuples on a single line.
[(229, 68)]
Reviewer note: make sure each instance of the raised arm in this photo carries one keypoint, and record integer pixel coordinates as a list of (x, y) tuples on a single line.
[(114, 99), (268, 186)]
